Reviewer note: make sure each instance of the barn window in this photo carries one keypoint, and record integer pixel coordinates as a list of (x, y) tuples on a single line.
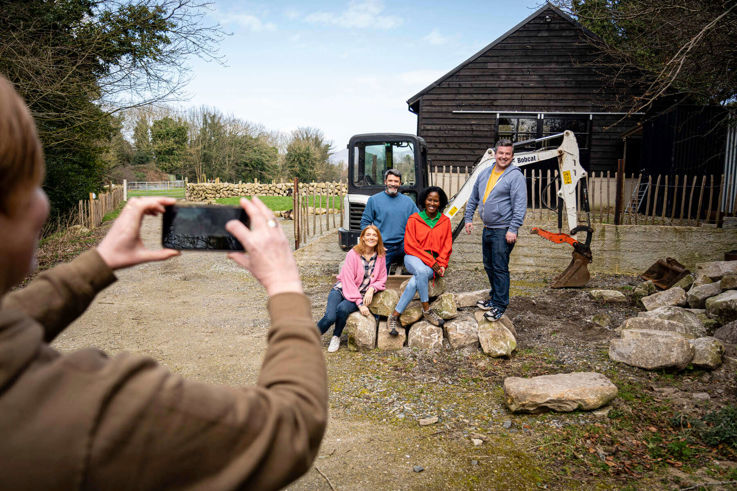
[(578, 125), (529, 127)]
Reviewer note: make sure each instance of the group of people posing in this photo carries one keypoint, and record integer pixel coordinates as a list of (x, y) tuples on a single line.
[(395, 231)]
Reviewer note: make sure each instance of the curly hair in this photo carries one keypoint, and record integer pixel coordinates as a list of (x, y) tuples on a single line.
[(441, 194)]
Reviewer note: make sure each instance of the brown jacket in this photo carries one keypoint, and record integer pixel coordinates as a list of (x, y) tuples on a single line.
[(86, 421)]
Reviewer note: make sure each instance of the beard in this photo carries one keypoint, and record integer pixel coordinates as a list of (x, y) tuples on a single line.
[(391, 190)]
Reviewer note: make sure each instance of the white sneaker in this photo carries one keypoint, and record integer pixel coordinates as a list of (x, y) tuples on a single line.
[(334, 344)]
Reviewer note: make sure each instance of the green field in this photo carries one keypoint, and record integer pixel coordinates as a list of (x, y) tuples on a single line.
[(280, 203), (174, 193)]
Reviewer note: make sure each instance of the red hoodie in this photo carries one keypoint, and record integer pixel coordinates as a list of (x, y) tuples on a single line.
[(420, 238)]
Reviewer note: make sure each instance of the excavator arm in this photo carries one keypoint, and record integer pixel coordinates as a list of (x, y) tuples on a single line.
[(570, 173)]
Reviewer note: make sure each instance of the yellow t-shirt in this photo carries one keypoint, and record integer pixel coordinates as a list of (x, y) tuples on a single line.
[(493, 178)]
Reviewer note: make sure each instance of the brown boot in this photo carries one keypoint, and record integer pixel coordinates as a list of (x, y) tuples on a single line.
[(393, 325), (433, 318)]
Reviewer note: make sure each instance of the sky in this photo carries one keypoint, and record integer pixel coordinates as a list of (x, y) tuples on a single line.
[(344, 67)]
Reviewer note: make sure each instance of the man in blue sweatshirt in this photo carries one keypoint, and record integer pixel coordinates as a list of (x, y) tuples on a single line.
[(500, 193), (389, 210)]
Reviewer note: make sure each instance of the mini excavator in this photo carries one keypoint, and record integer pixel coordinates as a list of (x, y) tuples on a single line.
[(570, 174), (369, 155)]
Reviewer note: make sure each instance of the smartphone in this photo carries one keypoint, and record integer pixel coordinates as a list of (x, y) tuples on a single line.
[(201, 227)]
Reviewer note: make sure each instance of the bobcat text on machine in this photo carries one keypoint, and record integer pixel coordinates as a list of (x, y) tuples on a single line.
[(369, 155)]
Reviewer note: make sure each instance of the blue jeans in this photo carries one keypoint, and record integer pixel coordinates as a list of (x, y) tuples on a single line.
[(394, 254), (421, 275), (496, 252), (336, 312)]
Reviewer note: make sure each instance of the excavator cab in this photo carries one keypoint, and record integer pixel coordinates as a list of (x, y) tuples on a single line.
[(369, 156)]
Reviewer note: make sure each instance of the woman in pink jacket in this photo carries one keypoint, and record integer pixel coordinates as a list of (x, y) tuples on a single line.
[(363, 273)]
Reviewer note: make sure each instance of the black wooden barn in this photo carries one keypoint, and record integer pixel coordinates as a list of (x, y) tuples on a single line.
[(537, 79)]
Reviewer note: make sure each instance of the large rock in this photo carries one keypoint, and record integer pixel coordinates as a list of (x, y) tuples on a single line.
[(610, 296), (716, 269), (445, 306), (644, 289), (361, 331), (651, 350), (723, 307), (425, 336), (462, 332), (693, 322), (387, 342), (469, 299), (495, 339), (665, 325), (708, 353), (701, 279), (686, 282), (411, 314), (505, 320), (563, 392), (697, 295), (384, 302), (671, 296), (727, 333), (729, 281), (436, 287)]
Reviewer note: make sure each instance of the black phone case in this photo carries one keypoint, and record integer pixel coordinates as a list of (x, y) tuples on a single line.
[(200, 228)]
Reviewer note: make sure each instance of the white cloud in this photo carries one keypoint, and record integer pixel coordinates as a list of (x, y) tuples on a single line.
[(435, 38), (250, 22), (292, 14), (359, 14)]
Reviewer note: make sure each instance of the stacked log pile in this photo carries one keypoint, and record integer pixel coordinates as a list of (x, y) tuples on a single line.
[(212, 191)]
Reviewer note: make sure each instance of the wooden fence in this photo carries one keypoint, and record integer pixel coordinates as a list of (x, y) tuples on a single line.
[(92, 211), (625, 199), (315, 214)]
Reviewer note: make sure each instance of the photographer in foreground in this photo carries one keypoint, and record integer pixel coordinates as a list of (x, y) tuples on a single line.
[(85, 421)]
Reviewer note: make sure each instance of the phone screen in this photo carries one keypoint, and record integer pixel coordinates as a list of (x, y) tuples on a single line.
[(201, 227)]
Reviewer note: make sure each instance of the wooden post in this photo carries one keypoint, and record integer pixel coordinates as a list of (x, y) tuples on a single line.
[(295, 212), (655, 200), (547, 185), (690, 201), (665, 201), (711, 195), (540, 192), (701, 196), (683, 199), (675, 199), (619, 199), (608, 193), (719, 202), (647, 197)]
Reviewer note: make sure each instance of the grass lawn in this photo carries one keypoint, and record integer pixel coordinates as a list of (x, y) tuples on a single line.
[(174, 193), (279, 203)]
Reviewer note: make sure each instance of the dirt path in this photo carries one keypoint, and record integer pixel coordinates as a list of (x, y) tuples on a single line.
[(203, 317)]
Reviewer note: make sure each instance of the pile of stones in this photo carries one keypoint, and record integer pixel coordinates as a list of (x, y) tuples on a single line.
[(211, 191), (686, 324), (465, 327)]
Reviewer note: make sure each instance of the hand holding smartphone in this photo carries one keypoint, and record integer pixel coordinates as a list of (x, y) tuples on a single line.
[(201, 227)]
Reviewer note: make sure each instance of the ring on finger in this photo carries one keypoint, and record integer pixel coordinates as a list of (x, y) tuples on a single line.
[(271, 223)]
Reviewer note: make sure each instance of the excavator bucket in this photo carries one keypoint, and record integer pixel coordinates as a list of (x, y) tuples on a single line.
[(576, 274), (665, 273)]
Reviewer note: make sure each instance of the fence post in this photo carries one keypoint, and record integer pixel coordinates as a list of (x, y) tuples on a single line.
[(619, 198), (125, 189), (295, 212)]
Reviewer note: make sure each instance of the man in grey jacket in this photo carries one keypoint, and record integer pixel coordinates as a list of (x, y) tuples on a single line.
[(500, 193)]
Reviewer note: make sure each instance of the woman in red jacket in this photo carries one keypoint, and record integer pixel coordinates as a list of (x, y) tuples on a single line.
[(428, 242)]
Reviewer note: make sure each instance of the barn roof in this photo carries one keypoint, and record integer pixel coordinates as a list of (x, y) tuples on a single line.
[(412, 101)]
